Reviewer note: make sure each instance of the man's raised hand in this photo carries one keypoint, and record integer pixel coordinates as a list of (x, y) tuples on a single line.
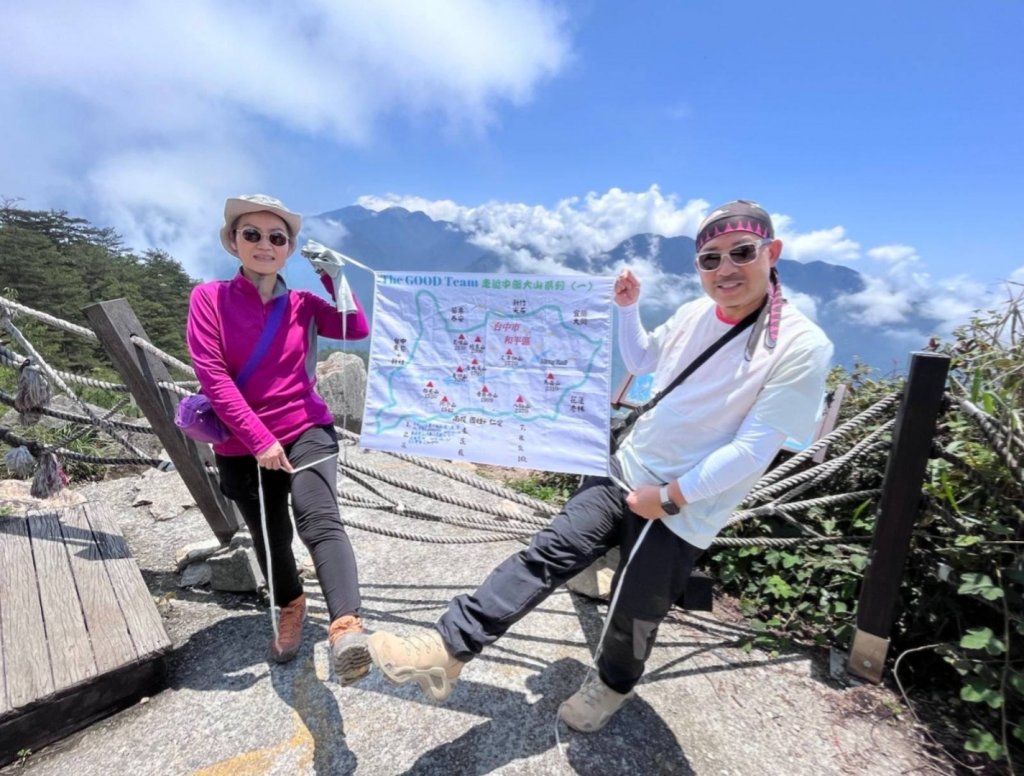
[(627, 288)]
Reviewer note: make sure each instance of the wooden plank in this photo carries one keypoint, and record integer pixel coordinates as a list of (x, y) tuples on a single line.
[(60, 715), (26, 662), (115, 323), (5, 704), (71, 656), (108, 632), (145, 627)]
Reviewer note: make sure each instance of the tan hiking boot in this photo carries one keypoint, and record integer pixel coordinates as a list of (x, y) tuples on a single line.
[(592, 706), (289, 631), (422, 658), (349, 655)]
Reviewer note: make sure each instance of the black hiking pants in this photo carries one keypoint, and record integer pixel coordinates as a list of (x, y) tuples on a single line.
[(315, 505), (593, 521)]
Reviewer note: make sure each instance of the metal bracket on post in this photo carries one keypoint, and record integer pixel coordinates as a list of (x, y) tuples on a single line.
[(897, 512), (115, 323)]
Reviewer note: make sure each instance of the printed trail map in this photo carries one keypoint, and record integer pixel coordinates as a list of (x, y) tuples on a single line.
[(509, 370)]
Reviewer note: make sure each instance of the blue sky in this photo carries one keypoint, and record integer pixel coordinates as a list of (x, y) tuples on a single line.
[(886, 136)]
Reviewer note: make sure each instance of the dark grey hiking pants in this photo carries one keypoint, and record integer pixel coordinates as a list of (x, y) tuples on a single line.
[(593, 521), (315, 505)]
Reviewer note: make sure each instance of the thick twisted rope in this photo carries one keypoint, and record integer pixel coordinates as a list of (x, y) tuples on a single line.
[(997, 435), (8, 356), (395, 534), (37, 448), (447, 498), (799, 506), (774, 541), (473, 523), (167, 358), (67, 326), (865, 417), (85, 429), (467, 478), (41, 363), (865, 446), (71, 417)]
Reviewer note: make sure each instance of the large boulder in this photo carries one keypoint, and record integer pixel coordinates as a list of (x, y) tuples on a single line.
[(341, 380)]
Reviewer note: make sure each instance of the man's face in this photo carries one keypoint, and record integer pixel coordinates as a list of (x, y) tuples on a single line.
[(739, 289)]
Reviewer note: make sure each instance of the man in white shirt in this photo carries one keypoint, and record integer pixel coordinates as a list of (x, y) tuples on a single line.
[(688, 462)]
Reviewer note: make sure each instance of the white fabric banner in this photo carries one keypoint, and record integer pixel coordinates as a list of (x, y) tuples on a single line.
[(510, 370)]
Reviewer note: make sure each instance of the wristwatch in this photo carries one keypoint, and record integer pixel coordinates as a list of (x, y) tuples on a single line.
[(667, 503)]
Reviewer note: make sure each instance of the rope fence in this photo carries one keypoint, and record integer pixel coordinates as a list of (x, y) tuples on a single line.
[(779, 486)]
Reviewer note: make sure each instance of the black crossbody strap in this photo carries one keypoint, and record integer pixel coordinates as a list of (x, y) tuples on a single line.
[(713, 348)]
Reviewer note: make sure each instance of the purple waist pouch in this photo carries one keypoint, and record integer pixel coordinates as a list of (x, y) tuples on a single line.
[(197, 420)]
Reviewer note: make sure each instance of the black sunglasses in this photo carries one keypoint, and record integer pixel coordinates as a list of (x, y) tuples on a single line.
[(739, 255), (276, 237)]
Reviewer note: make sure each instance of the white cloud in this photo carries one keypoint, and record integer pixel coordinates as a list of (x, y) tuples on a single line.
[(893, 254), (830, 245), (103, 96), (878, 304), (586, 226)]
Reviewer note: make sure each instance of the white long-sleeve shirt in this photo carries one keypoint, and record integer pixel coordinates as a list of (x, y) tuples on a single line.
[(718, 431)]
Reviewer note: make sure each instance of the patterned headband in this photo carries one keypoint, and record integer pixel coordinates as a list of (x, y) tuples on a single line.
[(739, 216)]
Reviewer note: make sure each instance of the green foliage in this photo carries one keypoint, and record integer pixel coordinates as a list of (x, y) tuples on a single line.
[(552, 487), (58, 264), (963, 586), (961, 604)]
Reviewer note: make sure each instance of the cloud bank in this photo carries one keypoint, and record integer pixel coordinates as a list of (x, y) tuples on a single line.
[(147, 114), (898, 293)]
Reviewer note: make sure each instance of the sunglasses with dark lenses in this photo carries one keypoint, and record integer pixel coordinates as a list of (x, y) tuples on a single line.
[(741, 254), (276, 237)]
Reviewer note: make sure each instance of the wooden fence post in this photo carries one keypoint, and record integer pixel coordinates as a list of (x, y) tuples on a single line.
[(115, 323), (897, 511)]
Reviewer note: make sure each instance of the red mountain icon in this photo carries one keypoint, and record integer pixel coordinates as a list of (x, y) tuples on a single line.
[(520, 400), (429, 384)]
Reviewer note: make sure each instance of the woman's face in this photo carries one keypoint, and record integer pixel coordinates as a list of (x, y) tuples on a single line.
[(262, 256)]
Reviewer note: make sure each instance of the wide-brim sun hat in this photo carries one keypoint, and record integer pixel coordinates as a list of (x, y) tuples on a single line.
[(235, 207)]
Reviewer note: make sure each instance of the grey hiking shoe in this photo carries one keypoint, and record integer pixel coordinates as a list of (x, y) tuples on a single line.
[(422, 658), (590, 708)]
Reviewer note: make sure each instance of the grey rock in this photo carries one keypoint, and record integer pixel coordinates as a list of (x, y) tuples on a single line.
[(234, 569), (195, 552), (163, 493), (195, 575), (595, 581), (341, 381)]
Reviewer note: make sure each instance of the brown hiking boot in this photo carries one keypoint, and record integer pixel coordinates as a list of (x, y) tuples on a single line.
[(348, 649), (590, 708), (289, 631), (422, 658)]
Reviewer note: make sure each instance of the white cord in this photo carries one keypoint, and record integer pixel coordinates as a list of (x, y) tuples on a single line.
[(266, 540)]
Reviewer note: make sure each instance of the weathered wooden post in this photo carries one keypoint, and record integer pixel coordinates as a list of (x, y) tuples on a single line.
[(115, 323), (897, 512)]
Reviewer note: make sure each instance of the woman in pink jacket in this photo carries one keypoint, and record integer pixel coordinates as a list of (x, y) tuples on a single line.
[(277, 420)]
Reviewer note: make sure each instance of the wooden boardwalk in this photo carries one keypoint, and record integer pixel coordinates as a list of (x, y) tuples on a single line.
[(80, 635)]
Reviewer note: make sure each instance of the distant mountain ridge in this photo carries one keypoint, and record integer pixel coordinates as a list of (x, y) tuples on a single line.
[(396, 238)]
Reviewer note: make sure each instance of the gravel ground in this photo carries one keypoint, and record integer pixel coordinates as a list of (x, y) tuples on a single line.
[(706, 706)]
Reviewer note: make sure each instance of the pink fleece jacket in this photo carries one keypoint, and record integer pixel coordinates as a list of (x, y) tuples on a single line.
[(279, 401)]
